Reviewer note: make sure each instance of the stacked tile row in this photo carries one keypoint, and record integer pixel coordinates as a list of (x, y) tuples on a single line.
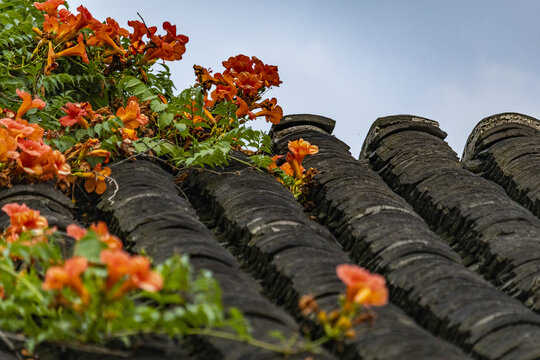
[(505, 148), (263, 225), (147, 211), (383, 233), (494, 234)]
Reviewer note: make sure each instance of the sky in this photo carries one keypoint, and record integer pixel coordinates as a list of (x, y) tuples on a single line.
[(455, 62)]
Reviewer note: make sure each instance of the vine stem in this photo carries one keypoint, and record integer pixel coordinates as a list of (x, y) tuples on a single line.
[(29, 285), (246, 163), (286, 350)]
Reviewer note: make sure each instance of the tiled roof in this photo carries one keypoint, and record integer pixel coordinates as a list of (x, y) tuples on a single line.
[(460, 251)]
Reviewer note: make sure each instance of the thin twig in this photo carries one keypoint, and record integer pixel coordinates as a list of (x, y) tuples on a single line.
[(144, 23)]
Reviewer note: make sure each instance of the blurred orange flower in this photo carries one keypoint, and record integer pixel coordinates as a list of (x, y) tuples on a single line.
[(56, 277), (75, 231), (135, 270), (363, 287), (101, 229), (22, 219)]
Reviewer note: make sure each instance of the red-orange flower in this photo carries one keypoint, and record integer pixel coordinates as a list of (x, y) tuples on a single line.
[(249, 83), (238, 64), (77, 50), (300, 148), (72, 24), (107, 34), (75, 231), (22, 219), (28, 103), (101, 229), (293, 167), (133, 270), (8, 146), (141, 275), (95, 181), (50, 6), (56, 277), (363, 288), (22, 129), (139, 30), (51, 61), (273, 165), (131, 115), (271, 111), (118, 266), (75, 113), (33, 156), (268, 73)]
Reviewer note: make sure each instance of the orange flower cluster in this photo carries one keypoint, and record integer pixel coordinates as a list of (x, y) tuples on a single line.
[(24, 219), (168, 47), (22, 143), (125, 272), (243, 80), (61, 27), (128, 272), (298, 149), (363, 288)]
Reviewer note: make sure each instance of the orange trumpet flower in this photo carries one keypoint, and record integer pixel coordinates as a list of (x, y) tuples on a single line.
[(28, 103), (77, 50)]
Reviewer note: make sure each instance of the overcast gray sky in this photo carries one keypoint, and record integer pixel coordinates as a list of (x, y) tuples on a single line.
[(455, 62)]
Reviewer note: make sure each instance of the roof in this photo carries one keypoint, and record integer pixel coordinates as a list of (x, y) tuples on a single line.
[(458, 242)]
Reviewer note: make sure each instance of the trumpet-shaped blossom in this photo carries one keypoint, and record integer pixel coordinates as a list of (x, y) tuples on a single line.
[(101, 229), (95, 181), (22, 129), (75, 113), (169, 47), (271, 111), (107, 35), (363, 287), (28, 103), (39, 160), (69, 275), (75, 231), (131, 115), (8, 146), (77, 50), (268, 73), (22, 219), (139, 30), (133, 271), (50, 6), (300, 148)]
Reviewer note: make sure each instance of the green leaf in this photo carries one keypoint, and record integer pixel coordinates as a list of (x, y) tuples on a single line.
[(165, 119), (90, 247), (80, 133)]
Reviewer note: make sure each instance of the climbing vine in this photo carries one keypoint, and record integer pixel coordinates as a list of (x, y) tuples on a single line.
[(76, 93)]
